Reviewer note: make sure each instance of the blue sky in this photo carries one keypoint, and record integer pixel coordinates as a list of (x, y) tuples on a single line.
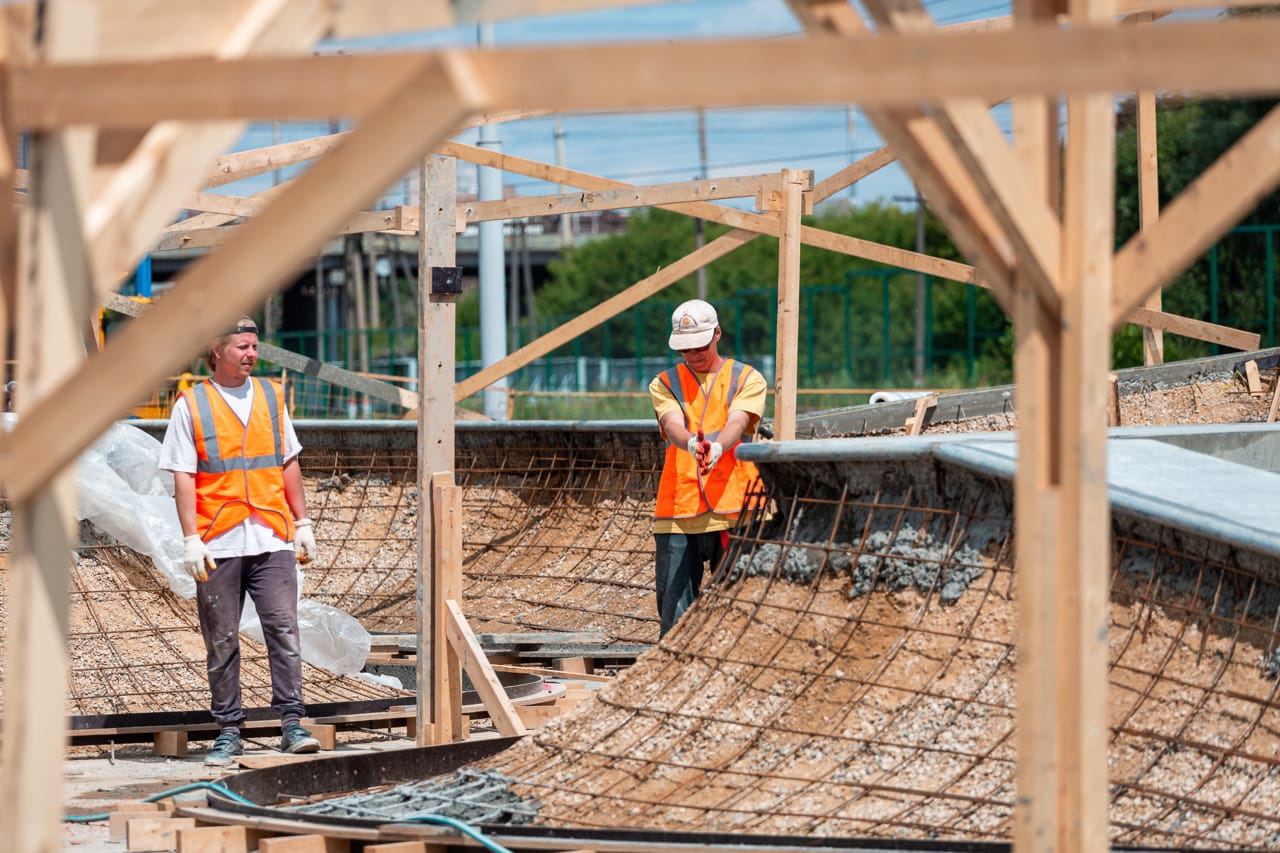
[(650, 148)]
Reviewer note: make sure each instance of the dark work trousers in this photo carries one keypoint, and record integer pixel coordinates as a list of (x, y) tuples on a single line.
[(679, 559), (271, 580)]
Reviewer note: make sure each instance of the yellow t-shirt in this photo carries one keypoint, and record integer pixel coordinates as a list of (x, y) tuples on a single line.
[(750, 399)]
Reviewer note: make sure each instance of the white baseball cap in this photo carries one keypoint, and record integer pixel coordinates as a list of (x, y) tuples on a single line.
[(693, 324)]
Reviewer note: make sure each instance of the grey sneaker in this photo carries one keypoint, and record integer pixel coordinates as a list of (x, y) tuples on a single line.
[(298, 740), (224, 751)]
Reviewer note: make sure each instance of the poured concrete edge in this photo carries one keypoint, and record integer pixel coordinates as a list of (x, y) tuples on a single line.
[(1146, 478), (999, 400)]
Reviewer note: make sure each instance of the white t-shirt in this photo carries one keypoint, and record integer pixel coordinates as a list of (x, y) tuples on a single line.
[(178, 453)]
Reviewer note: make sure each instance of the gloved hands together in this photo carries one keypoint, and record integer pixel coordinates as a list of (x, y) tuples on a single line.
[(692, 446), (304, 541), (196, 559), (711, 453)]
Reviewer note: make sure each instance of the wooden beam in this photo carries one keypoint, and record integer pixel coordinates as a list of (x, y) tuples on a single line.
[(146, 191), (1149, 199), (786, 365), (852, 173), (617, 199), (979, 144), (439, 695), (496, 702), (225, 284), (354, 18), (53, 300), (614, 305), (1200, 330), (1229, 57), (1188, 226), (298, 363), (741, 219)]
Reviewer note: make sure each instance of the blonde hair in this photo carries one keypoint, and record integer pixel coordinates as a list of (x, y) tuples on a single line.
[(244, 324)]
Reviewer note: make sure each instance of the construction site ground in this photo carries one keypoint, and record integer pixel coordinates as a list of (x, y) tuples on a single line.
[(97, 778)]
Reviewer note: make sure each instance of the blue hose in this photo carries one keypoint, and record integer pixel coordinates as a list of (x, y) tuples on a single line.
[(465, 828), (443, 820), (173, 792)]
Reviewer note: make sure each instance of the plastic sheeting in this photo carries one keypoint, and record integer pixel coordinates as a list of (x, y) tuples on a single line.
[(125, 494)]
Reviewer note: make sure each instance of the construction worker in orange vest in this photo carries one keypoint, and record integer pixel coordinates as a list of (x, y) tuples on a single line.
[(241, 503), (705, 407)]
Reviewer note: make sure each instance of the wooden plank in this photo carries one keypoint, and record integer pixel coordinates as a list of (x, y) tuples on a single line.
[(1229, 57), (155, 833), (398, 847), (304, 844), (354, 18), (1252, 381), (1275, 401), (851, 174), (920, 416), (536, 716), (618, 199), (53, 298), (1113, 400), (217, 839), (1201, 213), (118, 821), (326, 733), (436, 666), (549, 672), (496, 702), (786, 365), (1149, 200), (212, 293), (1201, 330)]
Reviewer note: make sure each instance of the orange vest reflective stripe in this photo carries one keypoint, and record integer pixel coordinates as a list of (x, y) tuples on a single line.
[(240, 467), (682, 492)]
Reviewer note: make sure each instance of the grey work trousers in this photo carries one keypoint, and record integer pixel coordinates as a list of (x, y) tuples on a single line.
[(271, 580), (679, 559)]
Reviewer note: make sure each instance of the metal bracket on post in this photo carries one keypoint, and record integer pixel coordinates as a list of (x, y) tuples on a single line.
[(446, 280)]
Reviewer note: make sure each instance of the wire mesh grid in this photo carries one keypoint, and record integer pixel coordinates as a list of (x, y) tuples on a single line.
[(135, 647), (850, 673), (557, 532)]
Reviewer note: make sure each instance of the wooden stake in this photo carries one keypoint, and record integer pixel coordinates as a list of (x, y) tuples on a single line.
[(1149, 200), (786, 372), (1251, 378), (468, 649), (1113, 400), (1275, 401)]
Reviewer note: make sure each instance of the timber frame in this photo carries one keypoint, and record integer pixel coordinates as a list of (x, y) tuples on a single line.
[(128, 109)]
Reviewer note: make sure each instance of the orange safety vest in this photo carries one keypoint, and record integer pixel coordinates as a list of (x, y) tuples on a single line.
[(240, 467), (682, 491)]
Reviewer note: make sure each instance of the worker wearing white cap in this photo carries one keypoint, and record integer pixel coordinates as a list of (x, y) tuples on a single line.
[(705, 407)]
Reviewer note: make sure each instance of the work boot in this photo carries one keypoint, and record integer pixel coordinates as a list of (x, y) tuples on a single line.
[(224, 751), (297, 739)]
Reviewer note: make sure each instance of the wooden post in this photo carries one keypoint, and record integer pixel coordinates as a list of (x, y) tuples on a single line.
[(436, 317), (785, 365), (1084, 521), (1149, 201), (54, 296)]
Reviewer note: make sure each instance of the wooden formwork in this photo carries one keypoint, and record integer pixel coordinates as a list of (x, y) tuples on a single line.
[(127, 105)]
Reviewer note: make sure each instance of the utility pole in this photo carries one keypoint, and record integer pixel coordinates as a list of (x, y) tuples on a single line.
[(921, 318), (493, 283), (566, 225), (698, 237)]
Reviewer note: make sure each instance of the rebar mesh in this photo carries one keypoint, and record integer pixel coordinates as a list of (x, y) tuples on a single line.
[(135, 647), (557, 530), (827, 690)]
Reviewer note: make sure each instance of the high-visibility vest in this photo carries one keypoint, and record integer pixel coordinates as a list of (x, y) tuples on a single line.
[(682, 491), (240, 467)]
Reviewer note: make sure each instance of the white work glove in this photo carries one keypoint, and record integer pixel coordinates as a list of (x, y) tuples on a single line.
[(692, 446), (711, 456), (304, 541), (196, 559)]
